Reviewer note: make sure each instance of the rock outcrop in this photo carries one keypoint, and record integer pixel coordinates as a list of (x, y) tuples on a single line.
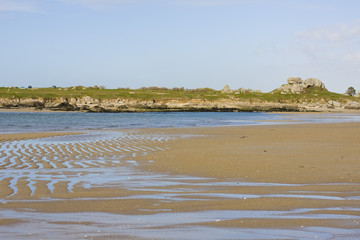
[(352, 105), (334, 104), (297, 86), (313, 82), (226, 89), (293, 80), (88, 104)]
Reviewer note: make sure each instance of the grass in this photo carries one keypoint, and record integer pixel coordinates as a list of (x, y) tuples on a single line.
[(141, 94), (310, 95)]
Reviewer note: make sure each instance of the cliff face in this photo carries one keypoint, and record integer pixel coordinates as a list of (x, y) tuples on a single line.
[(88, 104)]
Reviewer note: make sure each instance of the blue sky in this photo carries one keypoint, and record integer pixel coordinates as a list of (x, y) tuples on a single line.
[(254, 44)]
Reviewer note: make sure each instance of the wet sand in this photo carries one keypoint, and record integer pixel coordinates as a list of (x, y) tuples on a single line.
[(299, 153), (24, 136), (291, 181)]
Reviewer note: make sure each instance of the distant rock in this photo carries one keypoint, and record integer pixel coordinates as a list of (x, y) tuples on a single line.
[(352, 105), (87, 100), (285, 89), (39, 105), (297, 88), (291, 88), (313, 82), (226, 89), (97, 108), (84, 108), (64, 106), (293, 80), (334, 104)]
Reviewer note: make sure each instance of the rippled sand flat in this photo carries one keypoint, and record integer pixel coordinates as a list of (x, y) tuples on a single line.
[(268, 182), (36, 166)]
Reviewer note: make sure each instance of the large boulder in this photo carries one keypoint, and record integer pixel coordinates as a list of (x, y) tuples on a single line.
[(97, 108), (334, 104), (291, 88), (293, 80), (64, 106), (313, 82), (352, 105), (297, 88), (39, 105)]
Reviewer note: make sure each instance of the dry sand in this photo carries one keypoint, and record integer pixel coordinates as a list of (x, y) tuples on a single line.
[(320, 160)]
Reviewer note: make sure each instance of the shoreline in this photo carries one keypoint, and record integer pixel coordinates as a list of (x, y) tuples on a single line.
[(285, 111)]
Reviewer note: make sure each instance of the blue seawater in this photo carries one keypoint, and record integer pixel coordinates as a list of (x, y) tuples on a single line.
[(13, 122)]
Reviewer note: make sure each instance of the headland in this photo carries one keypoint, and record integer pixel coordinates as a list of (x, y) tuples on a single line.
[(295, 96)]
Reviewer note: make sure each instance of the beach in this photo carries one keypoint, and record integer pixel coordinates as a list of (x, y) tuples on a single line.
[(298, 153), (265, 181)]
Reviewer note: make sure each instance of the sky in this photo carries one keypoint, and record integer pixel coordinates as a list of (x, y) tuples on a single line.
[(255, 44)]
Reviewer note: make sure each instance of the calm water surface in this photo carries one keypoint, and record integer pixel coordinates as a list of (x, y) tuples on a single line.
[(64, 121)]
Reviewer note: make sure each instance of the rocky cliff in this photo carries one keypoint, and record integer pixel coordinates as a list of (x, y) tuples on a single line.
[(88, 104)]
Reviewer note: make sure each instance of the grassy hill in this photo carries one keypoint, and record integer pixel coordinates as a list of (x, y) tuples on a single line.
[(310, 94)]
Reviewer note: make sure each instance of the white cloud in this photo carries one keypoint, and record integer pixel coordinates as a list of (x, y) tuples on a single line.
[(212, 2), (93, 3), (334, 33), (18, 6), (353, 57), (331, 53), (338, 42), (98, 4), (104, 4)]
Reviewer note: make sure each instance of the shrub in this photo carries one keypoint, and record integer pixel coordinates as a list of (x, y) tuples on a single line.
[(351, 91)]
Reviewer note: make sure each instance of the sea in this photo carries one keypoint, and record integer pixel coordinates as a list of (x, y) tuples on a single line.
[(16, 122)]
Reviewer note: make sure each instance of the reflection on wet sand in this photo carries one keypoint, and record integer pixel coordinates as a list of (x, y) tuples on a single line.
[(95, 186)]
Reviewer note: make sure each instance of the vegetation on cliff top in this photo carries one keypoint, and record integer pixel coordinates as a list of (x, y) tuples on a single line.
[(310, 95)]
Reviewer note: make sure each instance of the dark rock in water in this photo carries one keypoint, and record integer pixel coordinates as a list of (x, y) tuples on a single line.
[(85, 108), (39, 105), (97, 109), (64, 106)]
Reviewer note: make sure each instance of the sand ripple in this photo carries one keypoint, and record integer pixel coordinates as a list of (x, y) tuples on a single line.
[(27, 165)]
